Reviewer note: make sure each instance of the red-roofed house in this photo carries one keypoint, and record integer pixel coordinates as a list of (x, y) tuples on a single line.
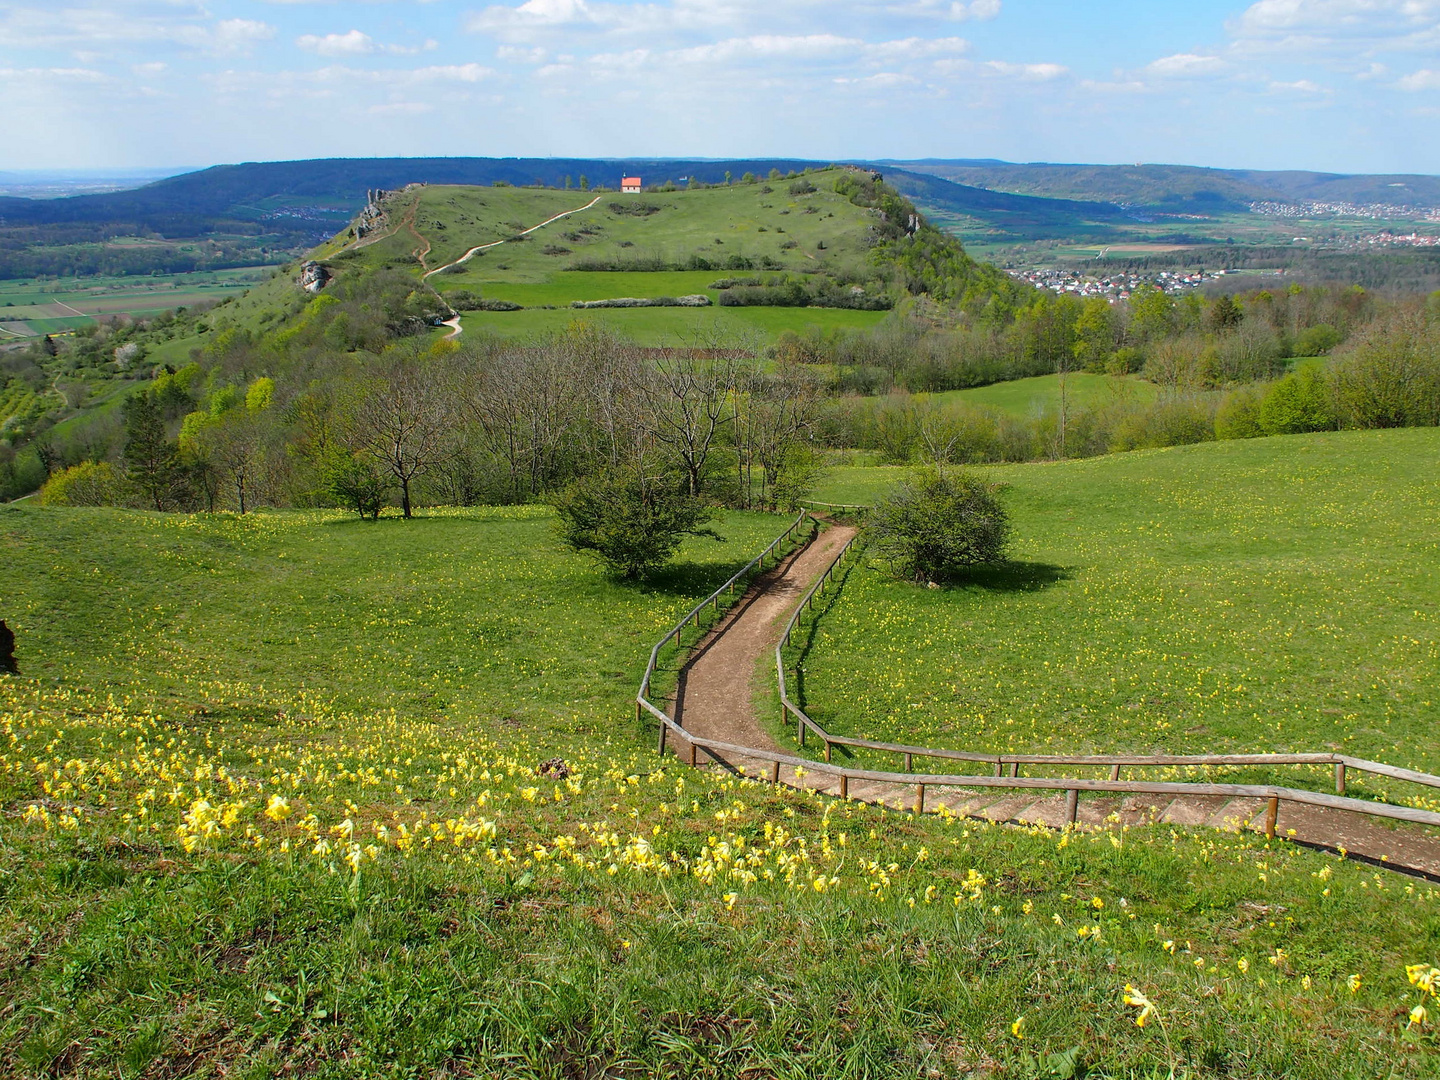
[(630, 184)]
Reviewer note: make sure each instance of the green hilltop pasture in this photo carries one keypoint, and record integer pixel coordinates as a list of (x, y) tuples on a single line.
[(1258, 595), (274, 804), (749, 220)]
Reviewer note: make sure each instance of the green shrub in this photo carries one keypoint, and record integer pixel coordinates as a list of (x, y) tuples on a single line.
[(1302, 401), (1391, 378), (1317, 340), (632, 523), (90, 483), (1239, 414), (938, 525)]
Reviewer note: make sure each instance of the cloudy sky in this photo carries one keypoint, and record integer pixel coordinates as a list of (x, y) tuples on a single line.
[(1344, 85)]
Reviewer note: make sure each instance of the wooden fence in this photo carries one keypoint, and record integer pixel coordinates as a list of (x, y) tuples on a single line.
[(1004, 769)]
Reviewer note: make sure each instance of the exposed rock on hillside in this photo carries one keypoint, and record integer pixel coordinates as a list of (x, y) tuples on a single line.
[(697, 300), (313, 276)]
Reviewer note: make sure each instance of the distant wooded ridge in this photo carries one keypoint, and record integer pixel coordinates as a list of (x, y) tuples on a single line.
[(194, 203)]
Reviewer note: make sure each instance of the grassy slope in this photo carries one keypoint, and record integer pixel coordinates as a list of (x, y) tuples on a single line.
[(1274, 594), (398, 687), (715, 223)]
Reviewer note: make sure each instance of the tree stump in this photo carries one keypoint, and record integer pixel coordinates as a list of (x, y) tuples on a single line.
[(7, 650)]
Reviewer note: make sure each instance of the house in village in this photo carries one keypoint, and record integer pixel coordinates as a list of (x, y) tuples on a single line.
[(630, 185)]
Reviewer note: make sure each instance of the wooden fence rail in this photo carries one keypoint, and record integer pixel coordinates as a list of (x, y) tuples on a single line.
[(1003, 764)]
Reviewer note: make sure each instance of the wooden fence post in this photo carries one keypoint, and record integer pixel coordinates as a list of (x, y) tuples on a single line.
[(775, 772), (1272, 811), (1339, 778), (800, 730), (844, 786), (908, 766), (692, 753), (827, 749), (1014, 768), (1072, 805), (919, 798), (662, 738), (1115, 772)]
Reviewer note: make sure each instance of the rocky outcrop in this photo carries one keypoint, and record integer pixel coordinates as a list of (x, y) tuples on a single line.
[(697, 300), (373, 216), (313, 276)]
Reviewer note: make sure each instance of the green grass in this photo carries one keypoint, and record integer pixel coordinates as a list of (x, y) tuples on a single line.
[(1025, 398), (397, 684), (672, 326), (744, 219), (1265, 595)]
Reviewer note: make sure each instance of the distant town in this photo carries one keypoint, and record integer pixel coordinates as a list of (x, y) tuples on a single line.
[(1116, 286)]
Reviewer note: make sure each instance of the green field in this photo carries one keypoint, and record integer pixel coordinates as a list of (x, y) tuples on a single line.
[(1261, 595), (1025, 398), (273, 807), (754, 326), (29, 308)]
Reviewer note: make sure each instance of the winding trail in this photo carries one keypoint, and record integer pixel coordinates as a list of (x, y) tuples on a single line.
[(733, 663), (496, 243)]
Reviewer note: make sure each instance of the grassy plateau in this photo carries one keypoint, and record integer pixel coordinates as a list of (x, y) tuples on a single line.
[(276, 802)]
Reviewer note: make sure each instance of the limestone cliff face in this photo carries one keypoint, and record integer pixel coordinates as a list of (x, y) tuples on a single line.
[(313, 277)]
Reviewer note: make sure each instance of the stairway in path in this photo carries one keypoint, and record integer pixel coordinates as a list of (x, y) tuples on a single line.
[(734, 662)]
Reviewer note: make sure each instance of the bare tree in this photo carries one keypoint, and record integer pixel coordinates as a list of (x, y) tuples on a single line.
[(772, 419), (405, 419), (690, 402)]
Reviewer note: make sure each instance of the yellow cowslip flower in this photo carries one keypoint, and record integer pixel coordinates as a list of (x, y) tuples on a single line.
[(730, 898), (1425, 977), (1244, 965), (1168, 946), (1353, 982), (1138, 1000), (1018, 1027), (1097, 903), (1418, 1016)]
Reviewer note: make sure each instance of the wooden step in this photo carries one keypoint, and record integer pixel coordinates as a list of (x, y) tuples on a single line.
[(1235, 814), (1193, 810)]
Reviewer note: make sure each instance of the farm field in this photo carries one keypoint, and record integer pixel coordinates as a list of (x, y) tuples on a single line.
[(1262, 595), (274, 805), (29, 308)]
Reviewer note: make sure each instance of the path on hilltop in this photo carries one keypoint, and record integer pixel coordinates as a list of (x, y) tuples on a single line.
[(715, 699), (496, 243)]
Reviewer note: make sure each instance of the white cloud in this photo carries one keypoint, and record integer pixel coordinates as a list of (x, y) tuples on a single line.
[(1299, 86), (402, 108), (1337, 28), (1185, 66), (946, 9), (138, 24), (1030, 72), (1424, 79), (353, 43), (238, 35)]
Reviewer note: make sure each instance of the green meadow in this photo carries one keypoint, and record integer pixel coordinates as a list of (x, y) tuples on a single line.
[(1257, 595), (276, 803), (1044, 393)]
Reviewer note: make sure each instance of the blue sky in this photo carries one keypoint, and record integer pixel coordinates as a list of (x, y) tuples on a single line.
[(1342, 85)]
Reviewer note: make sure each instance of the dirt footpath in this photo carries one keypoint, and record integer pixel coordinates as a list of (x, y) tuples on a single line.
[(716, 694)]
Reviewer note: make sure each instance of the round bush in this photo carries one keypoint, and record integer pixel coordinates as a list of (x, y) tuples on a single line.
[(938, 525), (87, 484)]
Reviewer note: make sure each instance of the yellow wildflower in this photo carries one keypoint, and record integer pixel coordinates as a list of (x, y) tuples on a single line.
[(1138, 1000)]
